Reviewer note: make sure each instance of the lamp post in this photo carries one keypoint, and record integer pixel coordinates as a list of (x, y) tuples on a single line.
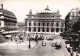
[(29, 42)]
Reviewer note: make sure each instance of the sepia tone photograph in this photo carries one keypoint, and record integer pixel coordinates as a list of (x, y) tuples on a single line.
[(39, 27)]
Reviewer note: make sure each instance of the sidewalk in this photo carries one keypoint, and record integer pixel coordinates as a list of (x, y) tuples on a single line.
[(20, 46)]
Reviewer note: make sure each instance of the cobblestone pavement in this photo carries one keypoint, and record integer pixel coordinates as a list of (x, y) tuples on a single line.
[(39, 50)]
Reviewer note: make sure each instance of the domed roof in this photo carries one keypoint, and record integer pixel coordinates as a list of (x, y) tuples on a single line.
[(75, 10), (6, 12), (47, 10)]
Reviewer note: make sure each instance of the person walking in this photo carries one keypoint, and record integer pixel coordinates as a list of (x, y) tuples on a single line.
[(36, 39)]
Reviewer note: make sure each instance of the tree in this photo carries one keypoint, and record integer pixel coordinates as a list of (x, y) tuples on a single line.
[(76, 26)]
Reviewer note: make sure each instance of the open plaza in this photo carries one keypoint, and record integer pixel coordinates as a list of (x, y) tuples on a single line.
[(44, 33), (36, 48)]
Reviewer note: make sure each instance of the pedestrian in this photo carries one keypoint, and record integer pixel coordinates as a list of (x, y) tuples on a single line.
[(68, 47), (77, 53), (72, 54), (42, 42)]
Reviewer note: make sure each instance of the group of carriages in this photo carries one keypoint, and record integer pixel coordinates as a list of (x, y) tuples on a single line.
[(14, 36), (21, 36), (58, 45), (55, 43), (35, 37)]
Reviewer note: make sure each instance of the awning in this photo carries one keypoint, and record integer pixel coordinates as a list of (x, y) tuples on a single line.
[(8, 32), (8, 35)]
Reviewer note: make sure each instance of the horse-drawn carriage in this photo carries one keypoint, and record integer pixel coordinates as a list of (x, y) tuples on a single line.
[(57, 44)]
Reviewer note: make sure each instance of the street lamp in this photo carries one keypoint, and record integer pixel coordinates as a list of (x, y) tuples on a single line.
[(29, 42)]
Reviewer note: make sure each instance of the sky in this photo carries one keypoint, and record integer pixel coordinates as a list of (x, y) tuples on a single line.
[(22, 7)]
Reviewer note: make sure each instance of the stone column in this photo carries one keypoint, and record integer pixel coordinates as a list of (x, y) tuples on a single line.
[(59, 24), (59, 30), (40, 26), (27, 29), (54, 27), (41, 29), (55, 30), (55, 24), (49, 29), (27, 23), (2, 25), (36, 30), (32, 25), (45, 24), (31, 29), (45, 30), (37, 23)]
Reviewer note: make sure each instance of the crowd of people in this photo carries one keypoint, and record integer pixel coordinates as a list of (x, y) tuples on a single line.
[(20, 37), (23, 36), (15, 36)]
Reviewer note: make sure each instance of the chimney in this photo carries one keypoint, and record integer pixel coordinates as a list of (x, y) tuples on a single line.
[(2, 6)]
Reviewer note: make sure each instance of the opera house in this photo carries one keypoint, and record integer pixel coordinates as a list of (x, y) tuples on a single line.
[(44, 22)]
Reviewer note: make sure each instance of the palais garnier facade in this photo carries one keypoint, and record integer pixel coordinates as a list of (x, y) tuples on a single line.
[(44, 22)]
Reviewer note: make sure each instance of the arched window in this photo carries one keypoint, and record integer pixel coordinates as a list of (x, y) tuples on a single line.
[(34, 29), (57, 24), (52, 29), (34, 24), (29, 24), (38, 29), (43, 29), (61, 30), (43, 24), (29, 29), (57, 29), (38, 24), (47, 29)]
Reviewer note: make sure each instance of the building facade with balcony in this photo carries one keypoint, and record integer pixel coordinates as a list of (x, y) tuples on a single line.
[(72, 27), (8, 20), (72, 20), (45, 22)]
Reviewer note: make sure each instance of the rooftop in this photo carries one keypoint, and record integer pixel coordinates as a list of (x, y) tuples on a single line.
[(47, 10), (6, 12), (75, 10)]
